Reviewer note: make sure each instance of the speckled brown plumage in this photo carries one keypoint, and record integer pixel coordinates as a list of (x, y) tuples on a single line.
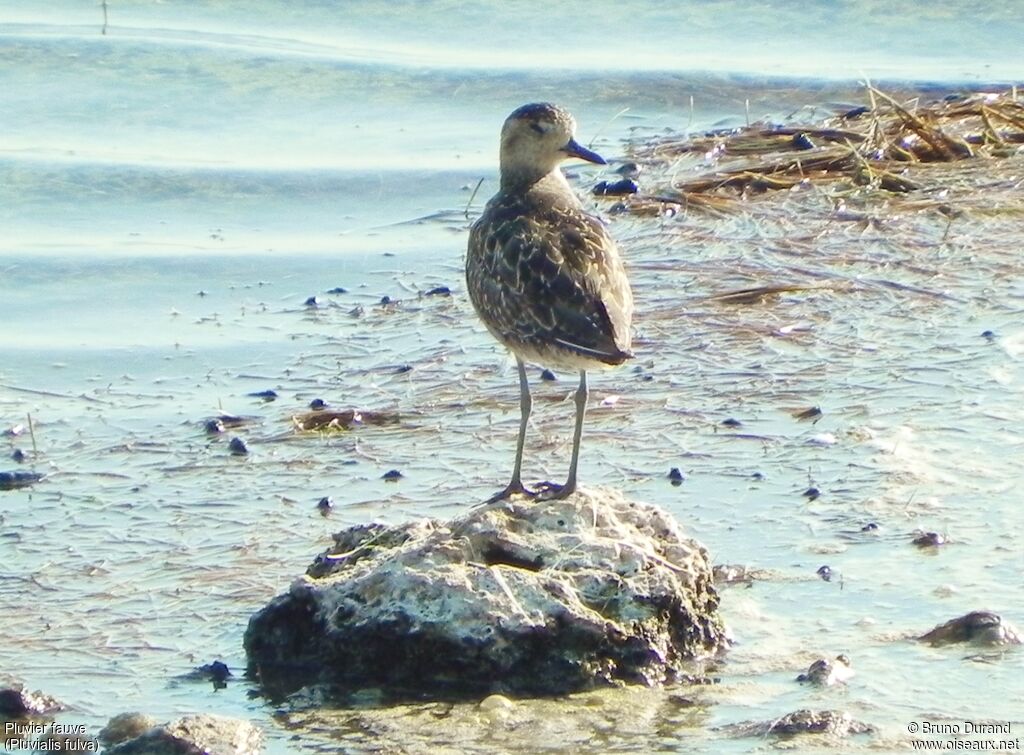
[(544, 276)]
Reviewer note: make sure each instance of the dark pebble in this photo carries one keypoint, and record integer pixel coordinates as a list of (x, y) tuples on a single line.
[(213, 427), (312, 302), (392, 476), (18, 479), (616, 188), (237, 447), (869, 527), (267, 395), (856, 112), (989, 335), (731, 422), (548, 375), (317, 404), (217, 671), (825, 572), (759, 476), (325, 504), (18, 455), (812, 493), (338, 290), (802, 141), (676, 476), (439, 291)]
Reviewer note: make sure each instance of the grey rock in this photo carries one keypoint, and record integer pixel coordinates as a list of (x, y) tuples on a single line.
[(522, 597), (125, 726), (194, 735), (977, 627), (834, 723), (18, 702)]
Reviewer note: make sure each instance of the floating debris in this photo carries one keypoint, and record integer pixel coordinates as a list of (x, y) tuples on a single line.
[(18, 479), (812, 413), (341, 419), (267, 395)]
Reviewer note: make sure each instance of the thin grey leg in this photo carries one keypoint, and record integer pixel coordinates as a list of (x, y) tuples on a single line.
[(525, 406), (581, 410)]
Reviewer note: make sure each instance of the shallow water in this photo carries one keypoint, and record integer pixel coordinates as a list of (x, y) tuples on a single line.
[(171, 194)]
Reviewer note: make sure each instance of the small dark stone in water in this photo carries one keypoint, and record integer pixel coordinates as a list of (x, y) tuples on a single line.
[(237, 447), (325, 504), (392, 476), (856, 112), (267, 395), (317, 404), (629, 170), (989, 335), (403, 368), (213, 427), (217, 671), (386, 300), (812, 493), (18, 479), (929, 540), (337, 290), (439, 291), (312, 302), (825, 572), (802, 141), (18, 455), (676, 476), (869, 527), (759, 476), (546, 374), (616, 188), (731, 422)]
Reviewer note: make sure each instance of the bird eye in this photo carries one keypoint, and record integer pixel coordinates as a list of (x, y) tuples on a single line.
[(537, 127)]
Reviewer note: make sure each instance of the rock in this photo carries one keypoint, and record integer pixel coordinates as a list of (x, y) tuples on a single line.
[(125, 726), (826, 673), (520, 597), (977, 627), (203, 734), (17, 702), (836, 723), (18, 479)]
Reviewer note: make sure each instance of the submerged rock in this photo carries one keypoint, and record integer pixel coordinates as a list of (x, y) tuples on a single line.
[(18, 702), (835, 723), (191, 735), (825, 672), (977, 627), (523, 597)]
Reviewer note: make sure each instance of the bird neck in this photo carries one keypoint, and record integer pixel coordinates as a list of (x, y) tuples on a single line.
[(521, 178)]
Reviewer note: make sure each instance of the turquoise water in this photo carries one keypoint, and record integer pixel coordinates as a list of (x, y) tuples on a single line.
[(173, 191)]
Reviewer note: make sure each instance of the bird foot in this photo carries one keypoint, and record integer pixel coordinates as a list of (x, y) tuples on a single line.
[(552, 491), (514, 488)]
